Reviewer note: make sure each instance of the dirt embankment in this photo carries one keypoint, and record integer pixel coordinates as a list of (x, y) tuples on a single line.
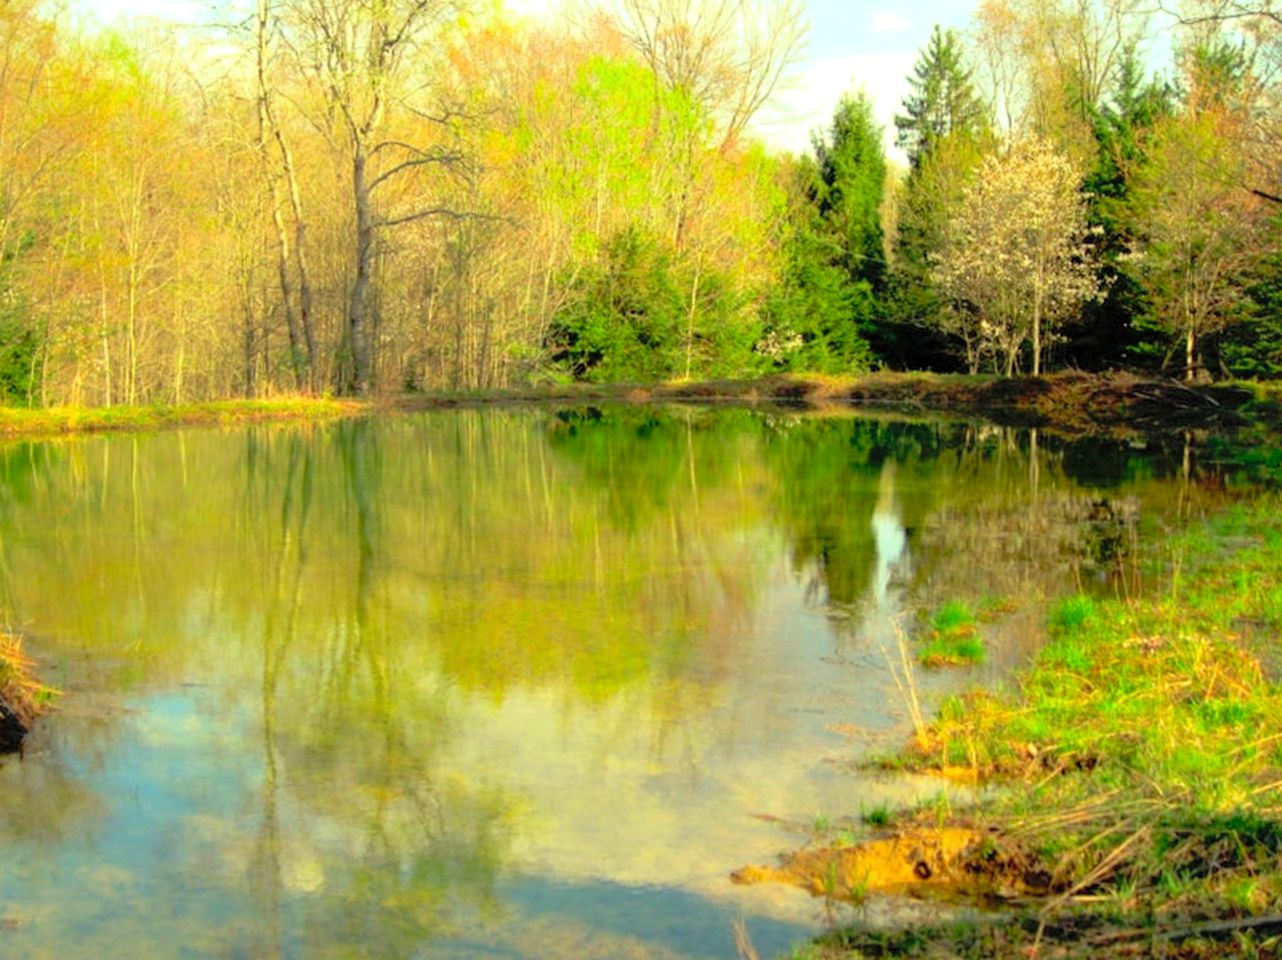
[(1071, 402)]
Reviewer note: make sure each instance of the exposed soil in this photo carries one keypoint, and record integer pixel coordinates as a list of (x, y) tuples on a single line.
[(947, 861)]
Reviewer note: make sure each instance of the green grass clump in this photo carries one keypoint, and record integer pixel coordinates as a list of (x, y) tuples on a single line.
[(953, 639), (1141, 750), (1137, 761), (1071, 615)]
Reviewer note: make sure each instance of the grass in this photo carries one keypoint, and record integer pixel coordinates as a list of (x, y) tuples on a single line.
[(954, 638), (21, 422), (1137, 762)]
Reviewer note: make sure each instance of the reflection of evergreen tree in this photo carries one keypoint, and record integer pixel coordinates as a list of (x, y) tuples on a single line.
[(827, 475)]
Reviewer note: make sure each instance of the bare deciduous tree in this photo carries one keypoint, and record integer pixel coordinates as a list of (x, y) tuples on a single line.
[(369, 58), (726, 56)]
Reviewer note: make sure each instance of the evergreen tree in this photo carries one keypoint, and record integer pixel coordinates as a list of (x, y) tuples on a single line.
[(847, 191), (943, 100), (942, 129), (827, 307), (1113, 330)]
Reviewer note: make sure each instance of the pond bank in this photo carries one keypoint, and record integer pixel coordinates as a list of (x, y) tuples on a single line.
[(1072, 402), (1139, 765), (20, 422)]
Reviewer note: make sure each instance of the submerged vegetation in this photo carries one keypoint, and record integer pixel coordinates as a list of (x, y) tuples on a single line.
[(1136, 766)]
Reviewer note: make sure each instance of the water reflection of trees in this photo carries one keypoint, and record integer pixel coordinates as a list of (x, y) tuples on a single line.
[(356, 590)]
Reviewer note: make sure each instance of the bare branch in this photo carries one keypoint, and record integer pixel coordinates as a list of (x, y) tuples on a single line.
[(427, 159), (448, 213)]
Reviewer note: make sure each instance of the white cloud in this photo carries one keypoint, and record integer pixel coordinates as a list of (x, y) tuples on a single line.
[(808, 102), (884, 21)]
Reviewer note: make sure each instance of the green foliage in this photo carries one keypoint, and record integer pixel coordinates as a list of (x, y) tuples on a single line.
[(19, 342), (622, 319), (629, 316), (1253, 348), (953, 638), (18, 349), (878, 815), (1119, 326), (810, 316), (846, 191), (953, 615), (1071, 614), (913, 339), (943, 120), (819, 316)]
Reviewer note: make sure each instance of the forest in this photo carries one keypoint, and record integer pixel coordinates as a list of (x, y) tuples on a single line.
[(378, 196)]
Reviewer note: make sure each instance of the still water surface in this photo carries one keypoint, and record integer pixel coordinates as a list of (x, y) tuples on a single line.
[(497, 684)]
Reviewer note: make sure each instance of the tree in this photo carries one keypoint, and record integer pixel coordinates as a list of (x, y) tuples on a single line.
[(1196, 222), (836, 259), (725, 56), (278, 164), (810, 312), (1015, 258), (942, 101), (850, 169), (1046, 63), (1113, 328), (943, 127), (367, 57), (1257, 26)]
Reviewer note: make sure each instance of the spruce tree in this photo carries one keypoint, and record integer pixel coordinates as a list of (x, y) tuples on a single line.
[(943, 100), (851, 175)]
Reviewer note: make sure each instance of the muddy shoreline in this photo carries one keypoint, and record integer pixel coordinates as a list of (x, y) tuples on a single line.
[(1133, 772)]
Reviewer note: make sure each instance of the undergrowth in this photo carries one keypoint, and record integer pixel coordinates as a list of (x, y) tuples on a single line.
[(1139, 760)]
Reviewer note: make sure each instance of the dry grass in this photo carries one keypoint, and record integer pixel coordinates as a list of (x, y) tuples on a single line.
[(57, 421), (24, 695)]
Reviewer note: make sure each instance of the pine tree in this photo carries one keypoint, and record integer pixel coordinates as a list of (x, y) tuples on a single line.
[(943, 99), (835, 267), (851, 175), (943, 128)]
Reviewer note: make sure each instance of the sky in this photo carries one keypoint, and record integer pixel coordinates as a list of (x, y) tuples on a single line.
[(852, 45)]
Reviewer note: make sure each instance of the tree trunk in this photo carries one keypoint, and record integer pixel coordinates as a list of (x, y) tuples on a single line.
[(1037, 325), (278, 221), (358, 379), (690, 314)]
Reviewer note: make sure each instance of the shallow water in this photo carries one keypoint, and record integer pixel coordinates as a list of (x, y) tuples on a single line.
[(521, 683)]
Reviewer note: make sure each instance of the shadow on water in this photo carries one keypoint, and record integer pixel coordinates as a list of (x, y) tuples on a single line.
[(457, 684)]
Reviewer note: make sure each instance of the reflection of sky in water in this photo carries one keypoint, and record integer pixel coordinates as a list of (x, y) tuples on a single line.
[(888, 534), (465, 686)]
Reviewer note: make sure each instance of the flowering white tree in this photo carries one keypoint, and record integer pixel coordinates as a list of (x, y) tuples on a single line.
[(1015, 261)]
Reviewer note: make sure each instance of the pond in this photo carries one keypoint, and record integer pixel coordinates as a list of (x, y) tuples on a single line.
[(513, 683)]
